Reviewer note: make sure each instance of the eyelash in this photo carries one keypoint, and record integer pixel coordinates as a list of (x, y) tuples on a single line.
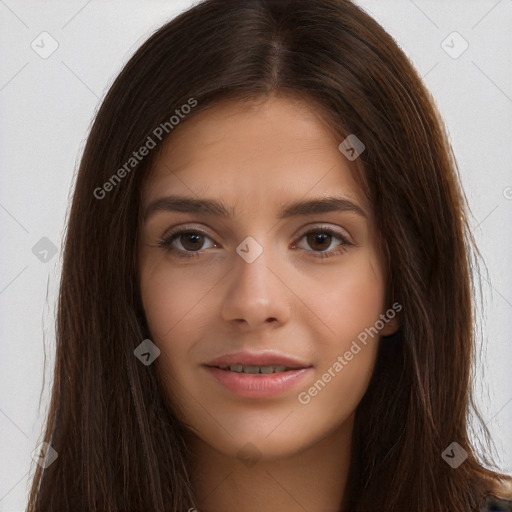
[(166, 242)]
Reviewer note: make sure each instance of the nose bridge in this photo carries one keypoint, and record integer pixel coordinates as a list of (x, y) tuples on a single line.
[(255, 294)]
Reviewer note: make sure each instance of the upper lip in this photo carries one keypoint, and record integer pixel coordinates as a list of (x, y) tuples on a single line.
[(258, 359)]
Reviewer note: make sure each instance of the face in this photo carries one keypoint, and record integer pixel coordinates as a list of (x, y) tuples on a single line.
[(257, 265)]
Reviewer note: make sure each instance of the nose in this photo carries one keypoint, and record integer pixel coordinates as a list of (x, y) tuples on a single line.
[(256, 293)]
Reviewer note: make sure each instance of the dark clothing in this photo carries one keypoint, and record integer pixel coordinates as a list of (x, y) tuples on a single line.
[(494, 504)]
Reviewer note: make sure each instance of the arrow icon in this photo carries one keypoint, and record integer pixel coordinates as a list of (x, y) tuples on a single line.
[(454, 455), (44, 250), (44, 455), (352, 147), (243, 249), (454, 45), (249, 455), (44, 45), (147, 352)]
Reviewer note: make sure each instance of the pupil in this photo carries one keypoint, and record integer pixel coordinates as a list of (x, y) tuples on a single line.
[(194, 238), (319, 237)]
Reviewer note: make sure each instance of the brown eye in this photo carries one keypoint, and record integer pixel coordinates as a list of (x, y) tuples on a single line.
[(319, 241), (191, 241), (185, 243)]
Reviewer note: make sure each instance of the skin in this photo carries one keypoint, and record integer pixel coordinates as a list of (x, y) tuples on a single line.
[(256, 157)]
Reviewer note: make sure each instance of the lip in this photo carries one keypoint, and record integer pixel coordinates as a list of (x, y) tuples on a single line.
[(266, 358), (259, 385)]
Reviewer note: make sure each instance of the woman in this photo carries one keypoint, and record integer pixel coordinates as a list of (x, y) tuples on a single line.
[(211, 356)]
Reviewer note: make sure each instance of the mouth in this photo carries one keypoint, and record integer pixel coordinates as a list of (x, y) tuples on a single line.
[(258, 375), (257, 370), (264, 362)]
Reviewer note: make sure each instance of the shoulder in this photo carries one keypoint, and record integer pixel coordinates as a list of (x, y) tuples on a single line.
[(494, 504), (499, 498)]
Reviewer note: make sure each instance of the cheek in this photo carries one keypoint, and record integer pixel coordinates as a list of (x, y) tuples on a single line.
[(335, 394), (346, 300), (346, 357), (349, 355), (361, 301), (172, 298), (175, 304)]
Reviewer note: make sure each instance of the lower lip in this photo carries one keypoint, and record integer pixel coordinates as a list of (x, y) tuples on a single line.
[(259, 385)]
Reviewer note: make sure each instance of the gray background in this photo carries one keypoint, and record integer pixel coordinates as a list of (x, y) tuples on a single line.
[(47, 105)]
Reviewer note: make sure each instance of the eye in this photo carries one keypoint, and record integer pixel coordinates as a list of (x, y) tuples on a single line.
[(187, 243), (321, 240), (190, 240)]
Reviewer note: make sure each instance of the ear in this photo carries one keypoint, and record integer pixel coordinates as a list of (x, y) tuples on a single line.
[(391, 326)]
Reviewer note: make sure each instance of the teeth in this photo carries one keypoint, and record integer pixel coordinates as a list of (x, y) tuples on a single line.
[(238, 368)]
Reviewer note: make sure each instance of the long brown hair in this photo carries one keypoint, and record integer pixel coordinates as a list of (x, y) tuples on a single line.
[(119, 446)]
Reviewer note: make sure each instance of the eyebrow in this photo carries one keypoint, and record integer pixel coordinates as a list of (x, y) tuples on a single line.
[(213, 207)]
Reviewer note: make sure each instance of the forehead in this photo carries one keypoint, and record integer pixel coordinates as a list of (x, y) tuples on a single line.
[(268, 148)]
